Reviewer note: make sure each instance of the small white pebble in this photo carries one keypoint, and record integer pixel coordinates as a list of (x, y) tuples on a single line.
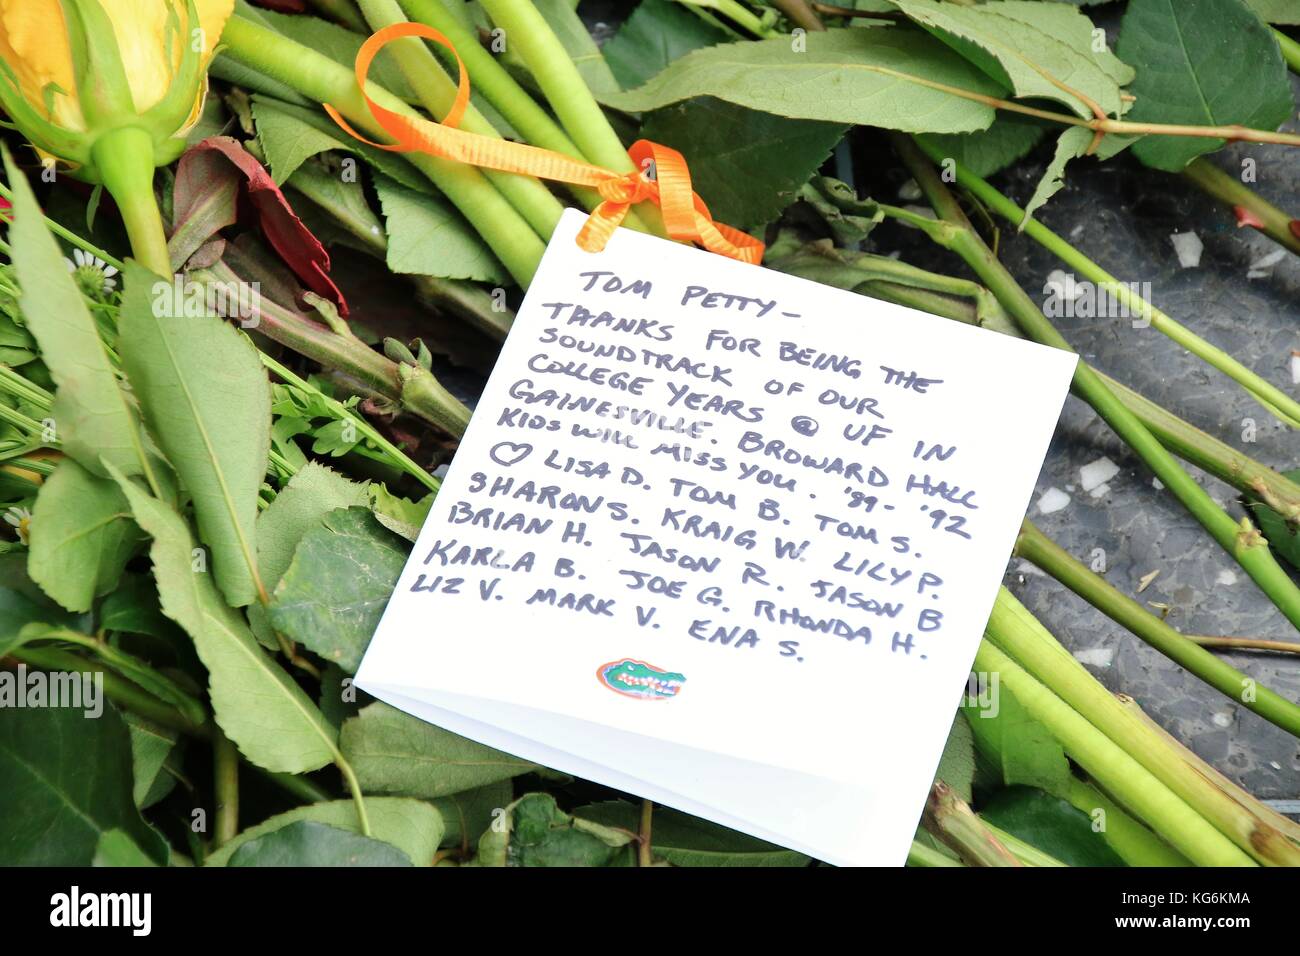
[(910, 191), (1070, 488), (1097, 473), (1052, 501), (1095, 656), (1188, 247), (1275, 765), (1226, 578), (1063, 285), (1100, 491), (1295, 368), (1222, 719), (1028, 567), (1270, 260), (1157, 484), (1259, 273)]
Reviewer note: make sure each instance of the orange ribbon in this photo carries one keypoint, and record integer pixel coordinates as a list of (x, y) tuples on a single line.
[(685, 216)]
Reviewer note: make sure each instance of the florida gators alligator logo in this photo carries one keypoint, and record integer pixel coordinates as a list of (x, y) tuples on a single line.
[(639, 679)]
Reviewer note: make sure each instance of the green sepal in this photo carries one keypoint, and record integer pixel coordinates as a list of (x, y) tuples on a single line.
[(167, 117), (102, 87), (44, 135)]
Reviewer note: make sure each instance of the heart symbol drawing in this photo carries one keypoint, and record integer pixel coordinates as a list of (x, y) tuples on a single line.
[(507, 453)]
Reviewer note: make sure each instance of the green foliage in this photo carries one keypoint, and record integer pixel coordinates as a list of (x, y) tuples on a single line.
[(426, 236), (307, 843), (1201, 62), (1050, 824), (657, 32), (719, 140), (534, 831), (336, 587), (393, 752), (684, 840)]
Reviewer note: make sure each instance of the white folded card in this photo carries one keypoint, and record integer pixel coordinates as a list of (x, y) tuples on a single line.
[(725, 539)]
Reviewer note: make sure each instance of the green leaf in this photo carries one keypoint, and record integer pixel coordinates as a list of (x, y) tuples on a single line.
[(133, 606), (1201, 62), (1010, 138), (267, 715), (657, 32), (207, 401), (116, 848), (683, 840), (82, 536), (1276, 11), (468, 813), (393, 752), (957, 764), (306, 843), (872, 77), (338, 584), (1071, 27), (1071, 145), (1051, 825), (17, 610), (93, 417), (412, 826), (573, 34), (399, 515), (290, 135), (426, 236), (151, 746), (717, 138), (65, 780), (849, 219), (311, 494), (1014, 51), (536, 832), (1019, 748)]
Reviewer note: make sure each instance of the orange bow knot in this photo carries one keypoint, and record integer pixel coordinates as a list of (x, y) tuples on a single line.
[(685, 216)]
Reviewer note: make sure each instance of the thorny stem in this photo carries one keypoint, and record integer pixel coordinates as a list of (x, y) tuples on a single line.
[(1273, 398), (1109, 764), (321, 79), (1014, 630), (350, 356), (949, 819), (1241, 540), (1251, 208), (1043, 552)]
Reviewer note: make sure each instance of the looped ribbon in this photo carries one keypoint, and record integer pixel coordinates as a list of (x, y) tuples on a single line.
[(686, 217)]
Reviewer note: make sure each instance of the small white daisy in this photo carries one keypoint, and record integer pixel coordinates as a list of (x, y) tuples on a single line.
[(21, 520), (92, 273)]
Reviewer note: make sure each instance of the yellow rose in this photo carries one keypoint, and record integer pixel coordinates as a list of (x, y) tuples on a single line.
[(73, 69)]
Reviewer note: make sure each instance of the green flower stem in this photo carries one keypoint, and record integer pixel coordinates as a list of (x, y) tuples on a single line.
[(225, 774), (1014, 630), (341, 12), (950, 820), (1131, 841), (933, 293), (299, 786), (316, 76), (352, 358), (124, 158), (928, 856), (494, 82), (1290, 50), (1111, 766), (460, 297), (46, 468), (20, 421), (1026, 853), (437, 92), (954, 231), (529, 35), (1283, 824), (23, 390), (739, 14), (1267, 394), (1276, 224), (392, 454), (1043, 552)]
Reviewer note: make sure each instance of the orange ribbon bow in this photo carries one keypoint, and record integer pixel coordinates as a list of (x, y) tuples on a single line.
[(685, 216)]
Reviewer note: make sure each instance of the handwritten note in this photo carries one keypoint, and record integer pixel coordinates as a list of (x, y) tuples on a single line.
[(725, 539)]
